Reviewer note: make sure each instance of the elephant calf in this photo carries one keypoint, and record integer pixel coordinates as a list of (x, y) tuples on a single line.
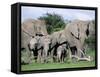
[(46, 47), (39, 45), (61, 53)]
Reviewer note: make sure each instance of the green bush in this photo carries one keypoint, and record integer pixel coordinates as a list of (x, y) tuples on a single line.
[(53, 21), (91, 42)]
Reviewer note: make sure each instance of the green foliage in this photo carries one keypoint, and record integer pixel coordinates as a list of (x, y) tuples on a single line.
[(25, 58), (53, 21), (91, 42)]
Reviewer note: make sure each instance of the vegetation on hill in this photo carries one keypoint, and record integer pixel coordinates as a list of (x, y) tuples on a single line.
[(53, 21)]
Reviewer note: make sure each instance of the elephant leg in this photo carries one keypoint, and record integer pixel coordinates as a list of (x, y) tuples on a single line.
[(49, 55), (43, 56), (80, 50), (39, 58), (69, 55), (73, 50), (80, 53), (62, 58), (64, 55), (55, 55), (46, 58), (59, 56), (31, 55), (52, 55)]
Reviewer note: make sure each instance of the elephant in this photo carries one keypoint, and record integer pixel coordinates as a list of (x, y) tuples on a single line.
[(40, 46), (29, 28), (76, 32), (33, 47), (45, 43), (54, 37), (57, 38), (61, 52)]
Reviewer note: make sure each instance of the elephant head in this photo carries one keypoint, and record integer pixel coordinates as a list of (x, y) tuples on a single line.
[(76, 32), (32, 43)]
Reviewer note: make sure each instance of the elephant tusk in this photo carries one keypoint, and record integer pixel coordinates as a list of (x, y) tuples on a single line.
[(82, 59)]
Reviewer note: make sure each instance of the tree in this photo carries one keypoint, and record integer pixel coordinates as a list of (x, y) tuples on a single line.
[(53, 21)]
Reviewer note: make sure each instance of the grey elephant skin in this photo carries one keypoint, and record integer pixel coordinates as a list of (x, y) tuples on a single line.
[(76, 32), (29, 28)]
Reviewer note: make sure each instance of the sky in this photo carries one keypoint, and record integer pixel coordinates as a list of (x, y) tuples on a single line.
[(67, 14)]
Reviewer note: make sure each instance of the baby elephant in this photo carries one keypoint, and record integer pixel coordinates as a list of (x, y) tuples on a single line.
[(39, 45), (61, 53)]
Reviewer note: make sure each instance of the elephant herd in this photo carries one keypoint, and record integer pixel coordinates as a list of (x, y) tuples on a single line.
[(56, 47)]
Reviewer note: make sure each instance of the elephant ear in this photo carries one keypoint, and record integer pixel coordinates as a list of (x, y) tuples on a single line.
[(75, 31), (87, 30)]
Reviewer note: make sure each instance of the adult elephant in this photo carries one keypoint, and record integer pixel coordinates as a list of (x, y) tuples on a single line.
[(76, 32), (29, 28), (57, 39)]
